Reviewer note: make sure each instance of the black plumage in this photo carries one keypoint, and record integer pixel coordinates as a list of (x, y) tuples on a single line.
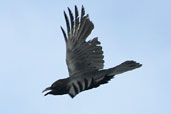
[(84, 58)]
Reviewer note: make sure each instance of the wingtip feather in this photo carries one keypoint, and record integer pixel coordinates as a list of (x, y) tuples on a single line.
[(64, 34)]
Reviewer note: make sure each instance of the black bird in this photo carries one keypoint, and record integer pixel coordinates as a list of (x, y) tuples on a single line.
[(84, 59)]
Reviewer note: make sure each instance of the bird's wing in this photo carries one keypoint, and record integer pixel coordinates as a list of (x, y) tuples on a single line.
[(81, 55)]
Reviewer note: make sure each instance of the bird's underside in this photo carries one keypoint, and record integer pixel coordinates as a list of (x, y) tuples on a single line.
[(84, 58)]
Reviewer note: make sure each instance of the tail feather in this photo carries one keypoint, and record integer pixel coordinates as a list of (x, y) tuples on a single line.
[(105, 76), (123, 67)]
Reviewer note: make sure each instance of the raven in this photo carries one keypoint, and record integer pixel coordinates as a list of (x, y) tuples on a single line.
[(84, 59)]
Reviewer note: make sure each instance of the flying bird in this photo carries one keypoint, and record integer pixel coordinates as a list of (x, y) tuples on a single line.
[(84, 59)]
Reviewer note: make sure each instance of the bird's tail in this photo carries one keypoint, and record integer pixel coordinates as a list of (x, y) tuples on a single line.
[(123, 67), (106, 75)]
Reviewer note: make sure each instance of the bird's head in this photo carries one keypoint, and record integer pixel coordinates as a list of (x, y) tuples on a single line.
[(57, 88)]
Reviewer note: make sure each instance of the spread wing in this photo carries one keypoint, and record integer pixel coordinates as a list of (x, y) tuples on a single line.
[(81, 55)]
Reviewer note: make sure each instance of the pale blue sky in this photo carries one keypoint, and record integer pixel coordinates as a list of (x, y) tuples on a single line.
[(32, 56)]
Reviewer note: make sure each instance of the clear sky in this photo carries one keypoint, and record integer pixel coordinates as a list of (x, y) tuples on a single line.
[(32, 56)]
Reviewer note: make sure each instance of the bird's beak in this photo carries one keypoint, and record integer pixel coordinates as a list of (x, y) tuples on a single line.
[(49, 88)]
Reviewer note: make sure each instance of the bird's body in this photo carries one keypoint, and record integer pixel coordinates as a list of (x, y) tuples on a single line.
[(84, 59)]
